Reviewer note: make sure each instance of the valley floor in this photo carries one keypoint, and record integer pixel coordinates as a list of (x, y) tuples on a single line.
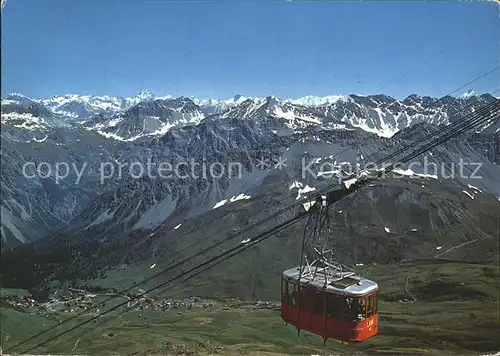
[(456, 312)]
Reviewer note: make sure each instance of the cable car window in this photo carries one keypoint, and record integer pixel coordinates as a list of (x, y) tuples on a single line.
[(354, 308), (303, 299), (349, 311), (371, 305), (284, 291), (319, 301), (334, 305), (361, 314), (306, 299), (292, 294)]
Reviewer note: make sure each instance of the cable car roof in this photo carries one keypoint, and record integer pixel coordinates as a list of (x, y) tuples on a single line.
[(346, 284)]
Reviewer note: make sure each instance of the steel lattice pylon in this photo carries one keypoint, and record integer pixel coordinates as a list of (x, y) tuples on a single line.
[(319, 261)]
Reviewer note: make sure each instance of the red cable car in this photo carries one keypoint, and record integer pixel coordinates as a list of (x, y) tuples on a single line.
[(326, 297), (345, 310)]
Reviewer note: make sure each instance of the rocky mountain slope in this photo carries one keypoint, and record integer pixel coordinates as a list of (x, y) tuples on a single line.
[(95, 147)]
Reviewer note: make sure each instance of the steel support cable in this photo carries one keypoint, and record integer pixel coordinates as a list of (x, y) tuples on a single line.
[(221, 257), (442, 51), (461, 87), (493, 112), (485, 110), (476, 119), (208, 266), (447, 128), (447, 95), (239, 233)]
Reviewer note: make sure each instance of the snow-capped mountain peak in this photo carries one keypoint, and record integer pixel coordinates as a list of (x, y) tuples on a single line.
[(311, 100), (468, 94), (16, 98), (144, 95), (237, 99)]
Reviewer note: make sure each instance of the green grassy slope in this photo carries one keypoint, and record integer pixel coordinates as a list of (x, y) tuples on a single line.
[(455, 312)]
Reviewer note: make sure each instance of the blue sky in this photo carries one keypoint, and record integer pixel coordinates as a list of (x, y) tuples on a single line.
[(212, 49)]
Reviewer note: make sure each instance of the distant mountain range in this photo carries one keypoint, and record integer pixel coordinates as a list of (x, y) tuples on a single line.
[(145, 115), (85, 130)]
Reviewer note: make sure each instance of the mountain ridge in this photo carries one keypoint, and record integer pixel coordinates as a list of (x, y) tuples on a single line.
[(146, 116), (173, 130)]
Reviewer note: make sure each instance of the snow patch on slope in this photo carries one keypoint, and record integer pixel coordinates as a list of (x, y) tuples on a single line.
[(468, 194), (474, 188), (301, 189), (24, 121), (214, 193), (231, 200), (409, 172)]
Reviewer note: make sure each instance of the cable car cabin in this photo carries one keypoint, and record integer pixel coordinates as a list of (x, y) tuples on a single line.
[(345, 310)]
